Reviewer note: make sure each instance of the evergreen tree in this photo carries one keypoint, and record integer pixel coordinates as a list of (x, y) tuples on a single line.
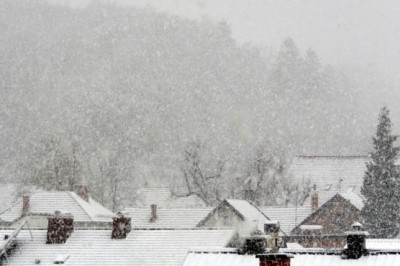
[(381, 182)]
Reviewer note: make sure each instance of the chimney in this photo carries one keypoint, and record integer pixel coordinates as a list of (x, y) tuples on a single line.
[(355, 242), (274, 259), (153, 217), (82, 191), (314, 199), (271, 228), (121, 227), (60, 227), (25, 204)]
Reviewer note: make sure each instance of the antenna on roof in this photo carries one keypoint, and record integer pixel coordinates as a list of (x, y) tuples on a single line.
[(10, 240), (340, 184)]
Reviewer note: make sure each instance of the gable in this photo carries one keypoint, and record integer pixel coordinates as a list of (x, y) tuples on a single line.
[(224, 215), (335, 216)]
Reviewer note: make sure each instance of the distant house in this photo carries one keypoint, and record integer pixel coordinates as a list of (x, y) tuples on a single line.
[(247, 218), (36, 208), (329, 175), (242, 215), (325, 226)]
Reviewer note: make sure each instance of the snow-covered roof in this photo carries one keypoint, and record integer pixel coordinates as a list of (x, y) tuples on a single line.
[(65, 201), (247, 210), (354, 199), (167, 218), (95, 247), (383, 244), (288, 217), (162, 197), (8, 193), (330, 174), (221, 259)]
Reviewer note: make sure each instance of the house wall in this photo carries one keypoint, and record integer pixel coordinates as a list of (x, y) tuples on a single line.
[(336, 216), (224, 216)]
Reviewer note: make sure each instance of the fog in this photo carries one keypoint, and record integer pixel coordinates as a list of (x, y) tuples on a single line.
[(359, 35), (363, 33), (124, 90)]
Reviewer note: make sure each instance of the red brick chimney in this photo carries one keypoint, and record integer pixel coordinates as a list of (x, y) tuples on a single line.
[(82, 191), (274, 259), (59, 228), (121, 227), (153, 217), (314, 199), (25, 204)]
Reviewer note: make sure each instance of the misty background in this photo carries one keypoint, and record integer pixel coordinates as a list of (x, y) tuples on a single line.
[(118, 92)]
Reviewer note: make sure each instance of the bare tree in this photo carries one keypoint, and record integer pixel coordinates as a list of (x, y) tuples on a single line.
[(200, 179), (110, 180), (53, 165), (267, 180)]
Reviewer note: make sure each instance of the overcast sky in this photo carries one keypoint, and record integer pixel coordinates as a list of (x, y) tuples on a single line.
[(361, 32)]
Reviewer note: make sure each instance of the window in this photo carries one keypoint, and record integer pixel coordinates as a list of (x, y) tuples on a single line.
[(350, 189)]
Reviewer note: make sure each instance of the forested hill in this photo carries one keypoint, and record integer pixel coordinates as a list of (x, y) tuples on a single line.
[(125, 91)]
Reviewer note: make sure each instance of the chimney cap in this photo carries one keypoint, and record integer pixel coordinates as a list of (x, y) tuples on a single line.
[(357, 225), (122, 213), (357, 229), (61, 214), (271, 222), (274, 256), (271, 227)]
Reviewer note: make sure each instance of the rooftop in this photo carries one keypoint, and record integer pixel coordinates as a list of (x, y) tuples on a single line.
[(230, 259), (354, 199), (48, 202), (330, 174), (95, 247), (288, 217), (247, 210), (167, 218)]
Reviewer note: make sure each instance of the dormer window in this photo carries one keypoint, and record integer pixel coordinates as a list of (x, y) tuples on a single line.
[(351, 189)]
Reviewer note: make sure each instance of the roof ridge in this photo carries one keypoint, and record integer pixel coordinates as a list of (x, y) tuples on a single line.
[(241, 215), (83, 209), (12, 205), (17, 202), (280, 229), (332, 156), (162, 208)]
